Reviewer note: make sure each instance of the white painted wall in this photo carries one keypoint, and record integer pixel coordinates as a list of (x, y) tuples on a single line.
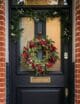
[(73, 30), (6, 31)]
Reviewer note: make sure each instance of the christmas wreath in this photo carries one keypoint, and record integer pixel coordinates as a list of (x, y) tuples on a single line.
[(40, 54)]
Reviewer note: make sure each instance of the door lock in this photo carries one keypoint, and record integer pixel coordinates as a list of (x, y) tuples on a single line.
[(66, 55), (66, 92)]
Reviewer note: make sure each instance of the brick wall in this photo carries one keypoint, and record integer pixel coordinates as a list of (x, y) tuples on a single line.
[(77, 54), (2, 54)]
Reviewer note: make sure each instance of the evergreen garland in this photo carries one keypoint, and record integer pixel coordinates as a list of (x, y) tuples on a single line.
[(39, 15)]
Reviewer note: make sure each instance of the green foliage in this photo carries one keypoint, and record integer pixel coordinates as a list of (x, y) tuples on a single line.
[(14, 26), (41, 15)]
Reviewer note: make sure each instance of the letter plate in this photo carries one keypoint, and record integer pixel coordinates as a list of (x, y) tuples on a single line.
[(40, 79)]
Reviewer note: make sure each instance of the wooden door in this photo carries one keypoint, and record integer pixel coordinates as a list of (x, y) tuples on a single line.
[(26, 88)]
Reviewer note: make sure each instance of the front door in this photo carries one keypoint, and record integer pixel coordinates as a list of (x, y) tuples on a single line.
[(39, 57)]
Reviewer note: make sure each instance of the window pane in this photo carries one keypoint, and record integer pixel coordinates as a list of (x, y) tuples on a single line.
[(28, 31), (28, 34), (38, 2), (41, 2), (39, 27), (53, 30)]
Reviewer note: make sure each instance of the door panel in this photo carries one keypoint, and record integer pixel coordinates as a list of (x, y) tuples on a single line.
[(39, 96), (40, 93)]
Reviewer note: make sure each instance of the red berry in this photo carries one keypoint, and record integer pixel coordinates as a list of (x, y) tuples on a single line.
[(43, 42), (40, 71), (25, 49), (33, 65), (52, 48), (52, 60), (25, 55), (49, 65), (31, 44)]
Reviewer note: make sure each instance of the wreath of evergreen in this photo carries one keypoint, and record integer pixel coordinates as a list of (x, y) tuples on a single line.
[(40, 54)]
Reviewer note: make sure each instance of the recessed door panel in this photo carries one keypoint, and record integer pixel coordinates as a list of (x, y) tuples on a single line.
[(39, 96)]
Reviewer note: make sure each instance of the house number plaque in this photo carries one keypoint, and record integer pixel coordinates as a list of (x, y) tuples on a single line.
[(44, 79)]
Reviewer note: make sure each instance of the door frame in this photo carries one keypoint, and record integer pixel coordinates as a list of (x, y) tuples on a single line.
[(9, 80)]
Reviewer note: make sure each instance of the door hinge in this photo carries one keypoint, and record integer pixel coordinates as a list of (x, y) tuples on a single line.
[(66, 92)]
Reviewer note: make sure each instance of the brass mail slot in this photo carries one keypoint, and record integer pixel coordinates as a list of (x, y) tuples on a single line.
[(45, 79)]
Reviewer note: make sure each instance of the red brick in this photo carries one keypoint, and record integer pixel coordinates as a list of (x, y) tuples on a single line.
[(2, 59), (77, 70), (78, 101), (78, 17), (77, 95), (78, 91), (2, 54), (77, 85), (77, 7), (77, 49), (1, 11), (2, 33), (2, 95), (77, 54), (2, 17), (2, 64), (2, 7), (77, 44), (2, 23), (78, 38), (78, 10), (2, 39), (78, 80), (78, 23), (2, 100), (2, 89), (2, 43), (77, 65), (2, 48), (2, 74), (2, 69), (78, 60), (2, 79), (78, 27), (2, 28), (78, 76), (77, 34)]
